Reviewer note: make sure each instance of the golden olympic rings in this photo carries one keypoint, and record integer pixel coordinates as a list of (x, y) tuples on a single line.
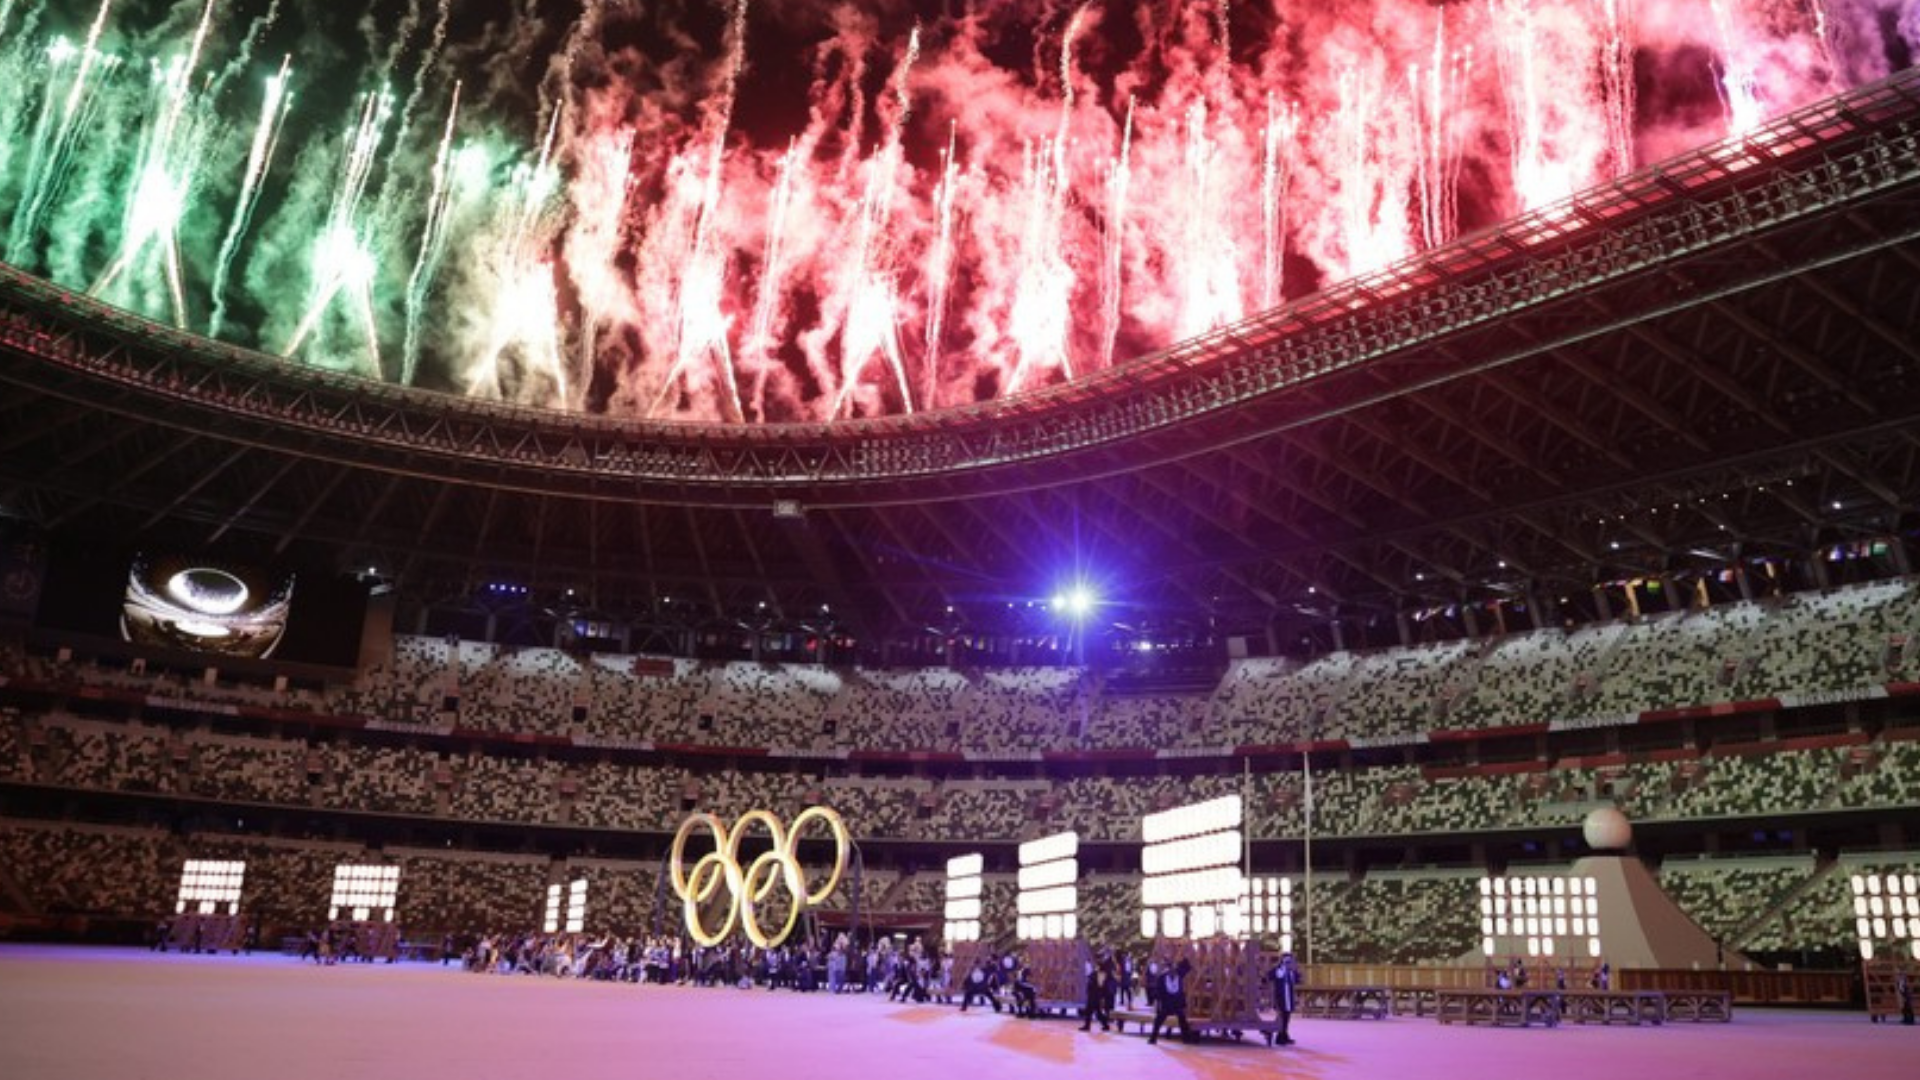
[(748, 886)]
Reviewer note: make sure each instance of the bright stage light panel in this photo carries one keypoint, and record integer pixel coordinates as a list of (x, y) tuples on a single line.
[(210, 887), (1048, 875), (566, 907), (1191, 877), (1215, 886), (1886, 909), (1214, 815), (1543, 916), (1054, 901), (1049, 897), (964, 890), (1064, 845), (364, 892), (1265, 911)]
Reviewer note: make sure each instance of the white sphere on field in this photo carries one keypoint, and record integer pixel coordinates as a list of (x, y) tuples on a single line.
[(1607, 829)]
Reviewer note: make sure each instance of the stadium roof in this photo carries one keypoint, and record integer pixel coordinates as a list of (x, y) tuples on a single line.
[(1712, 359)]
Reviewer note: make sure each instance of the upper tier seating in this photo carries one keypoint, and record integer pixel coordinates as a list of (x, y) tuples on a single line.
[(1728, 897), (1835, 641)]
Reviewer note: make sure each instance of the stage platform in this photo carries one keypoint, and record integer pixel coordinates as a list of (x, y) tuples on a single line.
[(86, 1013)]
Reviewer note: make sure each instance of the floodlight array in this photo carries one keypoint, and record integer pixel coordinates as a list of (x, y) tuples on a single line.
[(1546, 915), (964, 887), (1266, 910), (1049, 899), (1886, 908), (1192, 884), (364, 892), (209, 885), (566, 907)]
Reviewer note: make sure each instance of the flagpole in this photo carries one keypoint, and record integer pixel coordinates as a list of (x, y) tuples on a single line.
[(1307, 925)]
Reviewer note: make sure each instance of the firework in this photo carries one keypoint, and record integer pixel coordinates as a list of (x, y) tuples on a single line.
[(718, 219)]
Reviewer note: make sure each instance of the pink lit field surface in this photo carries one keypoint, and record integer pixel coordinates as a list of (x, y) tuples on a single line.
[(81, 1014)]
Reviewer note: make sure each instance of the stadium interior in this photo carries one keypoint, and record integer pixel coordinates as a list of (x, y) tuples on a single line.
[(1614, 504)]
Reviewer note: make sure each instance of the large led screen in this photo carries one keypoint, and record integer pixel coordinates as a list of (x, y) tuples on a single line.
[(162, 603), (205, 606)]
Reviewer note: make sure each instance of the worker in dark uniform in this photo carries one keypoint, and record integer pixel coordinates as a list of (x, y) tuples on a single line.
[(1026, 994), (1100, 993), (979, 985), (1172, 1001), (1286, 986)]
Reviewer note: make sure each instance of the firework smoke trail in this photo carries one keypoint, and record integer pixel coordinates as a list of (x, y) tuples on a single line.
[(1366, 150), (402, 34), (1208, 254), (760, 342), (599, 195), (701, 324), (1276, 173), (1201, 206), (1519, 57), (25, 28), (592, 18), (1739, 82), (1822, 36), (14, 46), (1038, 319), (163, 179), (1554, 56), (54, 138), (433, 243), (871, 327), (1616, 73), (428, 58), (1041, 315), (341, 260), (266, 138), (1439, 150), (243, 59), (523, 314), (1113, 239), (939, 272)]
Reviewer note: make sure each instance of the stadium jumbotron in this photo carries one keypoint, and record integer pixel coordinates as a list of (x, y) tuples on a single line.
[(737, 494)]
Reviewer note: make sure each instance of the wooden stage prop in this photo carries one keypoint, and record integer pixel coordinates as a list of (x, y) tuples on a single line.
[(1227, 991), (1059, 974), (1632, 1007), (965, 955), (1891, 986), (1501, 1008), (371, 940), (1550, 1008), (207, 933), (1343, 1002)]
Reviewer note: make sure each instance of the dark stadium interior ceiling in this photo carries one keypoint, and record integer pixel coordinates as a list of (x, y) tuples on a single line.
[(1758, 394)]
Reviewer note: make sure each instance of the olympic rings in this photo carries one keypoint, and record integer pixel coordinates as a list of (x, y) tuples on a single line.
[(747, 887)]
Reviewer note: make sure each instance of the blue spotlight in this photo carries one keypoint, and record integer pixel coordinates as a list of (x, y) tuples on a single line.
[(1075, 603)]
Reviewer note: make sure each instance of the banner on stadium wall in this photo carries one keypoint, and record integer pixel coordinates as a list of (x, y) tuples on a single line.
[(652, 667), (1582, 723), (1833, 697)]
